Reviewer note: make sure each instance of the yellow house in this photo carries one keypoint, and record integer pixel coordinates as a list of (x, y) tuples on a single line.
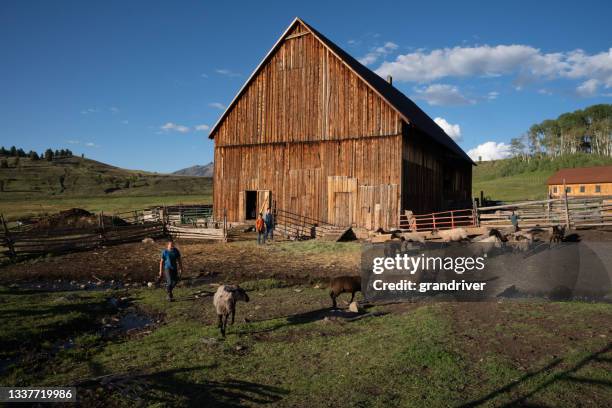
[(581, 182)]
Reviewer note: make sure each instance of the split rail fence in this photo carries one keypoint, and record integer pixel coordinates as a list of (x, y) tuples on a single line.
[(178, 221)]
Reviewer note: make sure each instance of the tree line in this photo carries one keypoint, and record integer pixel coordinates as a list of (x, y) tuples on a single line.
[(586, 130), (17, 153)]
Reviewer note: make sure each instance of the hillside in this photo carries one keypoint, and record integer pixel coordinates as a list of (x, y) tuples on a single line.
[(40, 186), (199, 171), (516, 179)]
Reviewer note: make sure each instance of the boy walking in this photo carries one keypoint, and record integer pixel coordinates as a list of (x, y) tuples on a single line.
[(171, 266)]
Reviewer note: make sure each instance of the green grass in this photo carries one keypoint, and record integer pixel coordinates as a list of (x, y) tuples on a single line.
[(515, 179), (41, 187), (414, 358)]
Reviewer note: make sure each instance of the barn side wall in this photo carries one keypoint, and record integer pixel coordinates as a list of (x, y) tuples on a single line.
[(432, 180)]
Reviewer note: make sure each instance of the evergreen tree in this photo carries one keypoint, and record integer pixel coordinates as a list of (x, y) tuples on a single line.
[(49, 155)]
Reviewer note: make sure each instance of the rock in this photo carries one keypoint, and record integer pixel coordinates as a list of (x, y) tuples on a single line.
[(560, 293), (150, 284), (317, 286), (297, 290), (148, 241), (354, 307), (82, 286), (239, 347), (210, 340), (510, 292)]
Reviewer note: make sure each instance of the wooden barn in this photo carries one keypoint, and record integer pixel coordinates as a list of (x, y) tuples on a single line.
[(314, 132)]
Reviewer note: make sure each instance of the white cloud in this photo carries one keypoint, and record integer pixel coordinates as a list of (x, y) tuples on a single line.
[(89, 110), (204, 75), (588, 88), (217, 105), (227, 72), (442, 95), (492, 95), (173, 127), (377, 52), (202, 127), (454, 131), (490, 151), (522, 61), (114, 109), (74, 142), (91, 144)]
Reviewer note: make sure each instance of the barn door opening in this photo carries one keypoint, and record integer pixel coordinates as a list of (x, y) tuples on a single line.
[(250, 203)]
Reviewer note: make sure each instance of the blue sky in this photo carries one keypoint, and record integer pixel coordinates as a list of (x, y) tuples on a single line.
[(137, 83)]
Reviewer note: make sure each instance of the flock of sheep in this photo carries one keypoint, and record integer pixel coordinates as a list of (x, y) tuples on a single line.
[(227, 296)]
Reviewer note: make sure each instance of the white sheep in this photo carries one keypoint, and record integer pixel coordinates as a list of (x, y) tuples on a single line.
[(456, 234), (225, 300)]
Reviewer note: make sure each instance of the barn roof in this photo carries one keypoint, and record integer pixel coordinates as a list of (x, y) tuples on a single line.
[(585, 175), (406, 108)]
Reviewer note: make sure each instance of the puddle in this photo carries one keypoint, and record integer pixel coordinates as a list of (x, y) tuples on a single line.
[(135, 321), (66, 286)]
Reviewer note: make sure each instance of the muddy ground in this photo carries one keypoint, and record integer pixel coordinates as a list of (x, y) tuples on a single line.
[(122, 344), (234, 261)]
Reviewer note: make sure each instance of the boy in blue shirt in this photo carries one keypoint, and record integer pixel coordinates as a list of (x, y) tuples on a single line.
[(169, 266)]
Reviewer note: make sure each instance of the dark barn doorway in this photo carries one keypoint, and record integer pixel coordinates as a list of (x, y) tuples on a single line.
[(251, 205)]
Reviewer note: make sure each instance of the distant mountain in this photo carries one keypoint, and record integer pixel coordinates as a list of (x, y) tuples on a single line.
[(200, 171)]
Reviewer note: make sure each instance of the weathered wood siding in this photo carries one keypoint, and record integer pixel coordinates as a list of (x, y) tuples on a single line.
[(305, 93), (433, 180), (306, 178), (314, 134)]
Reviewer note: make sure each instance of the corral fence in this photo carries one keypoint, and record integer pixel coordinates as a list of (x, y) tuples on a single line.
[(183, 222), (572, 212), (298, 226)]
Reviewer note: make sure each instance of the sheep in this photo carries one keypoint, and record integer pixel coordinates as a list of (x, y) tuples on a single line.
[(456, 234), (558, 234), (344, 284), (225, 303)]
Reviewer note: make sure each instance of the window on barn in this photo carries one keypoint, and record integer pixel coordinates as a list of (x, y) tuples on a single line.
[(568, 189), (598, 188), (582, 189), (555, 189)]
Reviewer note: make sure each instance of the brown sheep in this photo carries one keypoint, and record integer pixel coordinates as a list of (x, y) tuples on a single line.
[(225, 303), (344, 284), (558, 234)]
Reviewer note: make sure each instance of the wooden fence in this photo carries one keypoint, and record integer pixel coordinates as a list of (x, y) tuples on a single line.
[(572, 212), (132, 226), (438, 220)]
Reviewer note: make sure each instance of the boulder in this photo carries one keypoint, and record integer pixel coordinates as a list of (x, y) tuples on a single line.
[(354, 307)]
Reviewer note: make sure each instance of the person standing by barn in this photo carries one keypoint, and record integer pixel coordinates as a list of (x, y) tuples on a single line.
[(260, 227), (269, 221), (170, 266)]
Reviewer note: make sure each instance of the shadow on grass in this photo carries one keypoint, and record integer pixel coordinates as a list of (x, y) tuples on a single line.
[(174, 387), (305, 318), (565, 375)]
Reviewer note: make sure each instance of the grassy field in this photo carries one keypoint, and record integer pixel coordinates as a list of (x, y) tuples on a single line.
[(526, 186), (39, 187), (515, 179), (299, 354)]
